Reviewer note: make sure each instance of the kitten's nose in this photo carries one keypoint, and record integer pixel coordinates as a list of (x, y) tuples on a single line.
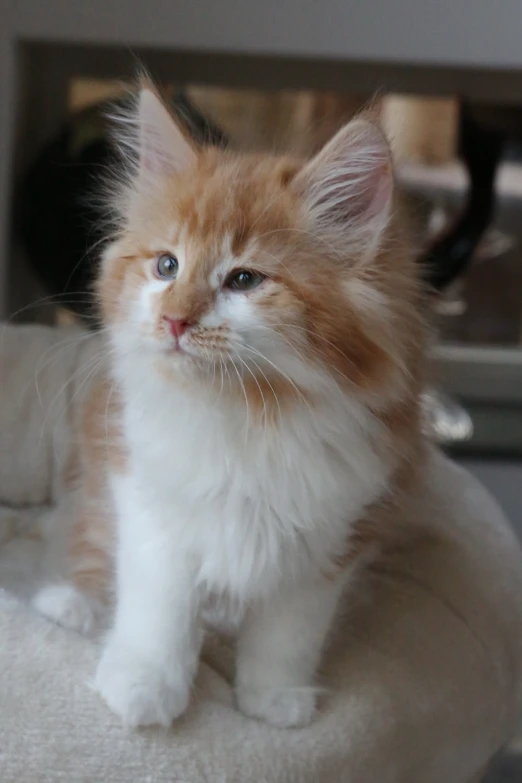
[(177, 326)]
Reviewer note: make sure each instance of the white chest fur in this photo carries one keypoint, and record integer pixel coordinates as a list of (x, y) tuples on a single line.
[(249, 505)]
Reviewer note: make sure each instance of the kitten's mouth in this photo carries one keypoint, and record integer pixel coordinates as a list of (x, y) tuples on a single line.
[(194, 349), (174, 348), (190, 353)]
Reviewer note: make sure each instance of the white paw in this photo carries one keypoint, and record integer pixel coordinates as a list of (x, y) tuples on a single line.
[(283, 707), (66, 606), (140, 692)]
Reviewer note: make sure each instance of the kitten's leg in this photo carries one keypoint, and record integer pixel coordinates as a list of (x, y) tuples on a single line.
[(65, 605), (79, 564), (279, 651), (80, 530), (150, 660)]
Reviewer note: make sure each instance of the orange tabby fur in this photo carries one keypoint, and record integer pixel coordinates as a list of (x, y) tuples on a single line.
[(255, 443), (364, 325)]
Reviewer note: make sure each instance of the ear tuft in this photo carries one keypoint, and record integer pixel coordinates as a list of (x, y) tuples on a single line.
[(349, 184), (162, 146)]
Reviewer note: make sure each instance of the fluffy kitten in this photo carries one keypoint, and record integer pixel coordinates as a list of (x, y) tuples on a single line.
[(258, 431)]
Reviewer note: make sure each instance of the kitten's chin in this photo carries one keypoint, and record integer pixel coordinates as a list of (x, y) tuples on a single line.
[(184, 361)]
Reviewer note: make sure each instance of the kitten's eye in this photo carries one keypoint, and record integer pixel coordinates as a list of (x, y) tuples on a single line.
[(167, 266), (244, 280)]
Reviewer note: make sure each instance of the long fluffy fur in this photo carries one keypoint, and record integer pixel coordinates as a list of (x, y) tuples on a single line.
[(248, 470)]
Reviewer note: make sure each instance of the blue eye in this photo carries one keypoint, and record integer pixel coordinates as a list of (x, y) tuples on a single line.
[(167, 266), (244, 280)]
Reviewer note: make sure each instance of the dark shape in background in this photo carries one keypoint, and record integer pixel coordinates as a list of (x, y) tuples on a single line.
[(58, 219)]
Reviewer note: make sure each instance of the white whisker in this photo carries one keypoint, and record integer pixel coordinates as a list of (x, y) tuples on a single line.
[(246, 399), (257, 384), (283, 374)]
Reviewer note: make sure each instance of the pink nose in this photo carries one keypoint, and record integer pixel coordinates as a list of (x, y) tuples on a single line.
[(177, 326)]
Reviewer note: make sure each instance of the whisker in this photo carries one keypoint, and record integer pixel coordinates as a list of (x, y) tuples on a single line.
[(109, 397), (315, 353), (222, 376), (96, 361), (257, 384), (225, 367), (276, 398), (265, 210), (246, 398), (283, 374), (59, 348)]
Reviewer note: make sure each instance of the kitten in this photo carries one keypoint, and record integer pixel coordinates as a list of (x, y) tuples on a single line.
[(257, 434)]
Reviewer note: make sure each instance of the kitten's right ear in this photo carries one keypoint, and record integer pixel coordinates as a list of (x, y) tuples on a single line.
[(348, 186), (163, 148)]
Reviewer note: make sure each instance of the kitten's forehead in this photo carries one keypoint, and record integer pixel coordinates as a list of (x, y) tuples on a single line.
[(225, 205)]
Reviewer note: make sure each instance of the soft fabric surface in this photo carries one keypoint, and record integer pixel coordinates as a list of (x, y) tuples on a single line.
[(422, 682), (44, 373)]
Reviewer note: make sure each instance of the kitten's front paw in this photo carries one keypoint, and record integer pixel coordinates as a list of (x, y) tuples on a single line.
[(66, 606), (283, 707), (140, 692)]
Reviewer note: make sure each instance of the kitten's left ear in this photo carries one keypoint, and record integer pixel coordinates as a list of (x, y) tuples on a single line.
[(162, 146), (348, 186)]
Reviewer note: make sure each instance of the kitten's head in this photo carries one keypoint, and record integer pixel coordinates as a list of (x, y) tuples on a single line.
[(265, 271)]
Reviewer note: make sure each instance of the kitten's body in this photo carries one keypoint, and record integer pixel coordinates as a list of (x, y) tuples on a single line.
[(252, 447), (267, 503)]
